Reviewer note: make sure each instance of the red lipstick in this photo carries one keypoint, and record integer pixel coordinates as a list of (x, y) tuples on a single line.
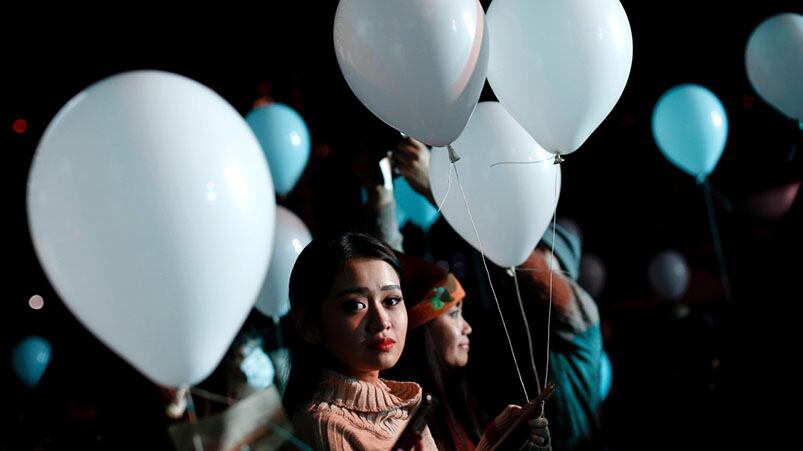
[(384, 344)]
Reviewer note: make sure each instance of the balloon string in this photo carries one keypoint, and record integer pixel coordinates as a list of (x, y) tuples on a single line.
[(278, 430), (559, 271), (551, 272), (709, 203), (448, 188), (453, 157), (212, 396), (490, 282), (527, 330), (726, 203), (523, 162), (197, 442)]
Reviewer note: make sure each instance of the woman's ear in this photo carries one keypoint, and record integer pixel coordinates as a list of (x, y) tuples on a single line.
[(307, 326)]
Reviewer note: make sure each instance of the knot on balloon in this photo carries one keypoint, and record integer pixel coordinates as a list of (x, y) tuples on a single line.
[(453, 156)]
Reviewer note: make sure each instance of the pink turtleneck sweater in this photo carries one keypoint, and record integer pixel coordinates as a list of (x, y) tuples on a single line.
[(349, 414)]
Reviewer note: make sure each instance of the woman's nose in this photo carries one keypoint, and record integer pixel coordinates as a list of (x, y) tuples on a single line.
[(378, 320)]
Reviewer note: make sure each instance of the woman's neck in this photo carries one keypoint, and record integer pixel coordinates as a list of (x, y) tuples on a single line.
[(366, 376)]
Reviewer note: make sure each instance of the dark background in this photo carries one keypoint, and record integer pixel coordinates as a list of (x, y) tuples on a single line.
[(708, 378)]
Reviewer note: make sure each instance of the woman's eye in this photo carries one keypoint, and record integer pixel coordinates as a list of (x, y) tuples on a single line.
[(353, 306), (454, 313), (391, 301)]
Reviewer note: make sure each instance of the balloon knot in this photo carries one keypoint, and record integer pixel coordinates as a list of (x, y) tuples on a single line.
[(453, 156), (558, 159)]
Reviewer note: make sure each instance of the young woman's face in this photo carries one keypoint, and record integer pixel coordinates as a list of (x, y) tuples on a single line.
[(450, 333), (364, 321)]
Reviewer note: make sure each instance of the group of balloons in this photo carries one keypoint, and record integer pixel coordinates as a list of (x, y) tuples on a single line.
[(668, 271), (689, 122), (557, 67), (151, 200), (668, 275), (285, 140)]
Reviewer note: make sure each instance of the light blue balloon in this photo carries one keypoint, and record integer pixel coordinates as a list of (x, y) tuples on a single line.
[(284, 138), (30, 359), (413, 205), (401, 216), (690, 126), (605, 376)]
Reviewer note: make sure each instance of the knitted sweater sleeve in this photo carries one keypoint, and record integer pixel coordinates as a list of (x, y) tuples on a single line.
[(496, 428)]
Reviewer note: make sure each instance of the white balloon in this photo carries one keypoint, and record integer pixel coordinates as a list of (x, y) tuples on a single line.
[(668, 274), (419, 65), (774, 61), (511, 204), (151, 209), (559, 66), (291, 236)]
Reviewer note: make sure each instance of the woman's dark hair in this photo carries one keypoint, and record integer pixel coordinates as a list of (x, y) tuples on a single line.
[(310, 282), (421, 362)]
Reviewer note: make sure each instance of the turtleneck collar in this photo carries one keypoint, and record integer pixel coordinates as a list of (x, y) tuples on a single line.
[(356, 395)]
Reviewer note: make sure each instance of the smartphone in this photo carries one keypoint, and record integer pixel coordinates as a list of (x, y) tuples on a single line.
[(531, 410), (415, 428), (386, 169)]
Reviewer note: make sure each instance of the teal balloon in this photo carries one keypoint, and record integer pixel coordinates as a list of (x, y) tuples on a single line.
[(415, 207), (285, 139), (30, 359), (690, 126), (401, 216), (605, 376)]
